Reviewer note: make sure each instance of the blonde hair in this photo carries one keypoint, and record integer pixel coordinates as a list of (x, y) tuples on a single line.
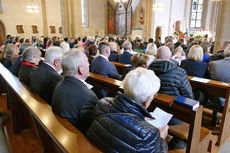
[(151, 49), (113, 46), (196, 53), (139, 59)]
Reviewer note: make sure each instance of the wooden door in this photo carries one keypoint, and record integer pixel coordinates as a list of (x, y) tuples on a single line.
[(158, 32)]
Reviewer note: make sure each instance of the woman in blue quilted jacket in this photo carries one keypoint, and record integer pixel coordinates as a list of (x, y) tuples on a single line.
[(119, 123)]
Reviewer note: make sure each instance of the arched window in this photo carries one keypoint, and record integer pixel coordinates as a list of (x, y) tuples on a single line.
[(196, 13), (85, 12)]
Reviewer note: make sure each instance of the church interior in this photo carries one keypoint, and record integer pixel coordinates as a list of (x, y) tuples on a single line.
[(72, 76)]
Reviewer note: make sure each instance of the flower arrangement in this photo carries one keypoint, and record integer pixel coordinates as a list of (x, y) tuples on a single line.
[(180, 34)]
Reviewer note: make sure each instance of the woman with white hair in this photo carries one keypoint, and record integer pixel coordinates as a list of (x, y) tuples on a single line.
[(121, 120), (151, 51)]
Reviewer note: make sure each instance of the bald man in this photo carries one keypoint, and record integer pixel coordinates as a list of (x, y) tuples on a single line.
[(174, 81)]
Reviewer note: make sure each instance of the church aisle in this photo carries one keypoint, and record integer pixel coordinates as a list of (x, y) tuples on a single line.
[(23, 142)]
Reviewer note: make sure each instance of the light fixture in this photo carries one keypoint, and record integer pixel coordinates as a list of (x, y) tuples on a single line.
[(118, 1), (32, 9), (158, 7)]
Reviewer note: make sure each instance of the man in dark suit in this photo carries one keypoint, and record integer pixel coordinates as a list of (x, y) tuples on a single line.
[(126, 56), (72, 98), (101, 65), (45, 78)]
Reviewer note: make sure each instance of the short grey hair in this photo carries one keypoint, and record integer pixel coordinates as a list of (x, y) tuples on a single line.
[(141, 83), (227, 51), (10, 49), (127, 45), (53, 53), (72, 60), (31, 53)]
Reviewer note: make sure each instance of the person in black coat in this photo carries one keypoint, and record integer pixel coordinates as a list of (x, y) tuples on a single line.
[(16, 65), (92, 52), (45, 78), (174, 80), (72, 99), (30, 59), (194, 65), (119, 123), (8, 52), (114, 54), (125, 57)]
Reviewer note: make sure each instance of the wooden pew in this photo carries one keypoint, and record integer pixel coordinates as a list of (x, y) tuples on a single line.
[(28, 110), (213, 88), (219, 89), (196, 136), (120, 67)]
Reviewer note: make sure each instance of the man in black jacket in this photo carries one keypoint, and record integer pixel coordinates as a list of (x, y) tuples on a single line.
[(45, 78), (174, 80), (72, 98)]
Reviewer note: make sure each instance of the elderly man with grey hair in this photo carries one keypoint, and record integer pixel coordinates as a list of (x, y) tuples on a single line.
[(72, 99), (45, 78), (121, 120), (125, 57), (30, 59)]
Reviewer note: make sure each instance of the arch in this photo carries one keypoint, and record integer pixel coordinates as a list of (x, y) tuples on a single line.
[(2, 33), (158, 32)]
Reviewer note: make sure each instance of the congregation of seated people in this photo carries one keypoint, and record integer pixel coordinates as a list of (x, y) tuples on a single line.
[(59, 79)]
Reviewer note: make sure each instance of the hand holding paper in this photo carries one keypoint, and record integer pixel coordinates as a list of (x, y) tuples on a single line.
[(161, 118)]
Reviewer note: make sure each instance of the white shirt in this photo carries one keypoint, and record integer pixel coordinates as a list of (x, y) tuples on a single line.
[(50, 65), (89, 86), (104, 57)]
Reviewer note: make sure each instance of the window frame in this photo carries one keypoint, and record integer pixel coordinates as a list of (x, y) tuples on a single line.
[(85, 13), (195, 27)]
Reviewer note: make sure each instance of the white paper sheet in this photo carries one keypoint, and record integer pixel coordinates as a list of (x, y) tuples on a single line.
[(200, 79), (161, 118)]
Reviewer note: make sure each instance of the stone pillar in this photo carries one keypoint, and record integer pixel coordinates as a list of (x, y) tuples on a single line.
[(223, 25), (44, 18), (148, 14), (71, 18)]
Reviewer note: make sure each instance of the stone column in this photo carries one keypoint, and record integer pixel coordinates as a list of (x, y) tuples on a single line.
[(148, 14), (44, 18), (223, 25), (71, 18)]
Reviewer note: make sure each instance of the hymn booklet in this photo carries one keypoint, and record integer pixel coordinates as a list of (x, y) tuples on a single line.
[(161, 118)]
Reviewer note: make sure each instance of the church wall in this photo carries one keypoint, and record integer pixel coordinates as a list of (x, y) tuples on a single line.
[(15, 13), (53, 10), (97, 16), (172, 11)]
